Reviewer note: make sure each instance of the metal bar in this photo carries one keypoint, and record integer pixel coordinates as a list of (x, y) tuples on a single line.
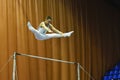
[(78, 71), (14, 66), (49, 59)]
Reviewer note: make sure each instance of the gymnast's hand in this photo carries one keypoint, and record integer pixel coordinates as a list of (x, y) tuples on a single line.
[(62, 34), (50, 32)]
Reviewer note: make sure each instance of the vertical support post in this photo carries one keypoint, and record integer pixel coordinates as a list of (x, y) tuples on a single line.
[(78, 71), (14, 66)]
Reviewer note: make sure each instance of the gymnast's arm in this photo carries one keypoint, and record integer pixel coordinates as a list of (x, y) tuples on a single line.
[(46, 28), (54, 29)]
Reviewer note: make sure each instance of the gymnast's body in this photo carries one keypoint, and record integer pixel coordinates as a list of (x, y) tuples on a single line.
[(46, 30)]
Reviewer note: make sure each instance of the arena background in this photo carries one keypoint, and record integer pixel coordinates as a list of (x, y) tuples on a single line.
[(95, 43)]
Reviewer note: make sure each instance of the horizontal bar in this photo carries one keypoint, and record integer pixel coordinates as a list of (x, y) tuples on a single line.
[(43, 58)]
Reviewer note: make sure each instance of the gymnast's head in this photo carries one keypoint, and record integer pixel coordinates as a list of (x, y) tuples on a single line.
[(48, 20)]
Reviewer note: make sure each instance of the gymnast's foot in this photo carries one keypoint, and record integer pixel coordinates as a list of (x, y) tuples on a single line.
[(68, 34), (29, 25)]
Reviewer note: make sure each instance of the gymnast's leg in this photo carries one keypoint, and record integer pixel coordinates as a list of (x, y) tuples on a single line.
[(31, 28), (36, 33), (55, 35)]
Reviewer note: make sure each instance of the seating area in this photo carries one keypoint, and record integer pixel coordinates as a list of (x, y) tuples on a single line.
[(113, 74)]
